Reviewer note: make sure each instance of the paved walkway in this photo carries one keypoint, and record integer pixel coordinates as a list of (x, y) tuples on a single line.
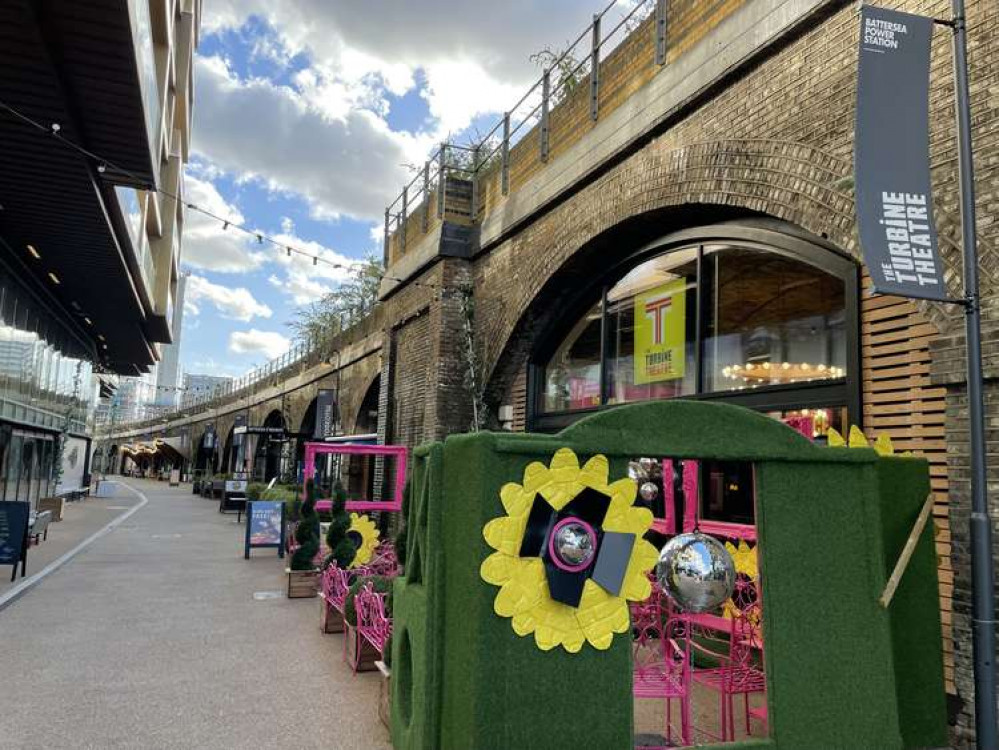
[(151, 638), (80, 520)]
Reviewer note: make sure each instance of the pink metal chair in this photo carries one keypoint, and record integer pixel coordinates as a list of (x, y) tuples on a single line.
[(373, 625), (661, 660), (739, 669)]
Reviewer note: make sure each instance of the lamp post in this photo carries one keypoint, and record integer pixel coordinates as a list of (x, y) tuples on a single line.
[(982, 575)]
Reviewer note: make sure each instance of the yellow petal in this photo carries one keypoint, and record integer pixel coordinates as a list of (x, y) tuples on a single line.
[(857, 439), (595, 471), (497, 569), (505, 534), (834, 439), (883, 445)]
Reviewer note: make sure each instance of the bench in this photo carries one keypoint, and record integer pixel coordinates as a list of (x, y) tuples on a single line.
[(334, 583), (40, 528), (373, 625)]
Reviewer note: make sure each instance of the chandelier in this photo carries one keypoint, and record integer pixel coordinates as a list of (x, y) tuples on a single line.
[(781, 372)]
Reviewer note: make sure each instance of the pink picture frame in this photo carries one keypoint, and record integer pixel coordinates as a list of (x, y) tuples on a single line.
[(398, 482)]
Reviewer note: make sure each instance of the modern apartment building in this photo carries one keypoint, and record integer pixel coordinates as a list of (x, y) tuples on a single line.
[(95, 122)]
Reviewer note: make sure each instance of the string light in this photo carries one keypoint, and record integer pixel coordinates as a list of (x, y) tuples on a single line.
[(262, 238)]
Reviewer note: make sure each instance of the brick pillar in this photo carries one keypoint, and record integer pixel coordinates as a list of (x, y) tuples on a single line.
[(448, 402)]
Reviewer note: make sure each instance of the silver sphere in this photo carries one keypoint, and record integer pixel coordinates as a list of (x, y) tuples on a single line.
[(574, 544), (696, 572), (649, 491), (649, 466)]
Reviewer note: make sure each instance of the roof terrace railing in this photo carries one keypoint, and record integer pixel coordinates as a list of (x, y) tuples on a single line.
[(559, 77)]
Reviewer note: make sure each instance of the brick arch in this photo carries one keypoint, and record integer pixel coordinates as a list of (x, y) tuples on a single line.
[(659, 190)]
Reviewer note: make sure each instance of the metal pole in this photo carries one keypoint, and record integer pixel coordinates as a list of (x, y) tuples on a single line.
[(545, 96), (441, 167), (660, 28), (595, 70), (982, 574), (506, 154), (426, 196)]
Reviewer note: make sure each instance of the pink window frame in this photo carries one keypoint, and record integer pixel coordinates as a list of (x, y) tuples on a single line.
[(399, 480), (692, 511)]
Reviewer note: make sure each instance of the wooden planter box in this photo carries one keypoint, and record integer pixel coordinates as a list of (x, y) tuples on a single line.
[(330, 619), (302, 584), (53, 504), (385, 695), (361, 655)]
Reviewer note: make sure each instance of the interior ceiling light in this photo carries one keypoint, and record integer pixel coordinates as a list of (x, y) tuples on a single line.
[(781, 372), (55, 279), (101, 336), (31, 249), (88, 321)]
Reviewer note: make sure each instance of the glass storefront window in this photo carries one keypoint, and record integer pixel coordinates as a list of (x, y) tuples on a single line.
[(769, 327), (572, 378), (771, 321), (651, 326)]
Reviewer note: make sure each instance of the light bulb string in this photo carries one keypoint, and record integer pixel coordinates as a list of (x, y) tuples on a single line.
[(104, 164)]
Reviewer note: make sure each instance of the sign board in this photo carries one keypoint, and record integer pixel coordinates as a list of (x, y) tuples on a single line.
[(14, 535), (174, 477), (326, 414), (892, 155), (660, 332), (235, 486), (74, 459), (265, 526)]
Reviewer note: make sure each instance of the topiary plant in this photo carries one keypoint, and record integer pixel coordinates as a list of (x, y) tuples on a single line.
[(307, 532), (380, 584), (342, 549), (254, 491)]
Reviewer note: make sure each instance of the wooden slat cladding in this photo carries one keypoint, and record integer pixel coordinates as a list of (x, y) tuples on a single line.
[(900, 401)]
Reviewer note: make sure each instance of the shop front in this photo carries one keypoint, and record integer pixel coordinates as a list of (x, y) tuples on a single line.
[(740, 314)]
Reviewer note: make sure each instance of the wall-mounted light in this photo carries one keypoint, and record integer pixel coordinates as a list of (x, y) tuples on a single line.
[(35, 254), (55, 279)]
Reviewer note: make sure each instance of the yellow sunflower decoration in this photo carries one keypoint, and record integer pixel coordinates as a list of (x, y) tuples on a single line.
[(569, 553), (746, 564), (364, 534)]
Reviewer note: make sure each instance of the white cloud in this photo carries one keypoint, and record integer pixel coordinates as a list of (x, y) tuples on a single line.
[(235, 303), (207, 244), (325, 136), (269, 343), (259, 130)]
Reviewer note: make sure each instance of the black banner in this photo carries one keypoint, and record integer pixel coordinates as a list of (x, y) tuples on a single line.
[(326, 414), (892, 155), (238, 430)]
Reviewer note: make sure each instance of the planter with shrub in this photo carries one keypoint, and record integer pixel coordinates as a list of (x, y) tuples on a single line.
[(303, 574), (361, 655)]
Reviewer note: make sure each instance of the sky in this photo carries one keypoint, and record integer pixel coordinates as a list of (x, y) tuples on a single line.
[(306, 115)]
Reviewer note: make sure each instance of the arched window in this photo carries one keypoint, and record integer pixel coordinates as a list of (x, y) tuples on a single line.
[(747, 314)]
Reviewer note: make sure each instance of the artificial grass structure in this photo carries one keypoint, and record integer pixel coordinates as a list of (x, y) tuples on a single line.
[(842, 672)]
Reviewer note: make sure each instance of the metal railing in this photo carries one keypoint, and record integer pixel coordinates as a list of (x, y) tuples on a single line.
[(300, 357), (558, 79)]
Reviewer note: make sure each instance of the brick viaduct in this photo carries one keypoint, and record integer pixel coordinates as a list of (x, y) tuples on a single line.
[(750, 120)]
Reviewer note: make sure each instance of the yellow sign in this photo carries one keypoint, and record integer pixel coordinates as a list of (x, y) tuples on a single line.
[(660, 331)]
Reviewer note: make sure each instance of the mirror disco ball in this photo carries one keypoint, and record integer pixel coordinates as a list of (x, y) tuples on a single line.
[(696, 572), (574, 544), (649, 491)]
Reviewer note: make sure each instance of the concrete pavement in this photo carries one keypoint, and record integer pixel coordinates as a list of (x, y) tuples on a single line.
[(152, 638)]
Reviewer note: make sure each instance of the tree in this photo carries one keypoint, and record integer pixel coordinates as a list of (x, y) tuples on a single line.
[(307, 532), (341, 308), (342, 550)]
